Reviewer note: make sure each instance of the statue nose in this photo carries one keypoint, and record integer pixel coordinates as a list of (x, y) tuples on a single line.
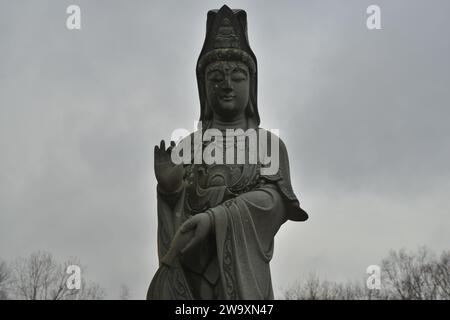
[(227, 83)]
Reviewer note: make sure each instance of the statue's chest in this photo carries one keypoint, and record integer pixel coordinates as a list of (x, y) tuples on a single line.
[(238, 173), (237, 178), (209, 184)]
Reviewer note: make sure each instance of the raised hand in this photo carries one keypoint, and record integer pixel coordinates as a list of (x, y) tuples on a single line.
[(168, 174)]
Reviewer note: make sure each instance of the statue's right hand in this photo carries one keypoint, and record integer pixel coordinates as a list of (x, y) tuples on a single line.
[(168, 174)]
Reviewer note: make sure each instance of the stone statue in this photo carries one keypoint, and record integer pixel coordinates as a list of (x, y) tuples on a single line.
[(217, 219)]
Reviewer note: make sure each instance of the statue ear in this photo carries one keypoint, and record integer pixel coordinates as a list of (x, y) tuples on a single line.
[(208, 112), (250, 111)]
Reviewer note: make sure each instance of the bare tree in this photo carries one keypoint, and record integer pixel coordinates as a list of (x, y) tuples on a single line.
[(313, 288), (40, 277), (4, 278), (418, 276), (442, 275), (404, 275)]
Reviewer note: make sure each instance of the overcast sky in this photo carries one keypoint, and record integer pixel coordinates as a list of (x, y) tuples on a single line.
[(364, 114)]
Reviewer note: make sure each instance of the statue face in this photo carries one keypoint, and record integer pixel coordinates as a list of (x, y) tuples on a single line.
[(227, 88)]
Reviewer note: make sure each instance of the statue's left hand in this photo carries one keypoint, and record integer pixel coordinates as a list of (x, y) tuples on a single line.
[(191, 232), (201, 224)]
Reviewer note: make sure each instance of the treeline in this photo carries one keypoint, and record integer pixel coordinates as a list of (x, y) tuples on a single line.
[(405, 275), (41, 277)]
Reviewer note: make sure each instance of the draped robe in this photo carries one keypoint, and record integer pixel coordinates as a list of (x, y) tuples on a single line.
[(246, 209)]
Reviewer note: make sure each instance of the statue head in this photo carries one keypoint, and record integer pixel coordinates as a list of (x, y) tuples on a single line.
[(226, 69), (227, 85)]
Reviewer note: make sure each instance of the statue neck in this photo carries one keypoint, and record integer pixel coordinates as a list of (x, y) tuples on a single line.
[(238, 123)]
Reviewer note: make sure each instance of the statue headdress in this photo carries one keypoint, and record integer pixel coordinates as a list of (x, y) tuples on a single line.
[(227, 40)]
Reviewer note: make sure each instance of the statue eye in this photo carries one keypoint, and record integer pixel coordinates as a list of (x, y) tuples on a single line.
[(238, 76), (215, 76)]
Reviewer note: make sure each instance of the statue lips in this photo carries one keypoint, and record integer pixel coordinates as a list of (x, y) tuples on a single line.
[(227, 97)]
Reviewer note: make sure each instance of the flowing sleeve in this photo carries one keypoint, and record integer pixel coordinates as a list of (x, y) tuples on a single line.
[(282, 179), (244, 229)]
